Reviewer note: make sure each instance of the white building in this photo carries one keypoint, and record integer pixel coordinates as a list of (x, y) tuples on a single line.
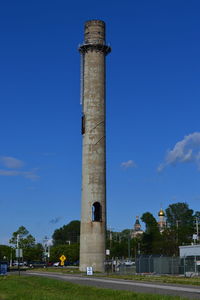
[(191, 250)]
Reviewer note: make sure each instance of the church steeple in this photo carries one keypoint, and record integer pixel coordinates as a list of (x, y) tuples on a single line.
[(137, 225), (161, 221), (136, 228)]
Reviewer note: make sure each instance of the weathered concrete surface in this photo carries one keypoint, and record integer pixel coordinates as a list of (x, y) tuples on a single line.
[(92, 240)]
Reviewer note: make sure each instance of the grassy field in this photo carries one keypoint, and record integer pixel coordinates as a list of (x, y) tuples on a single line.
[(149, 278), (162, 279), (37, 288)]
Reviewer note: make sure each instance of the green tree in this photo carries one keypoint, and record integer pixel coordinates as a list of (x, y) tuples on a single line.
[(117, 243), (34, 253), (151, 242), (69, 233), (119, 249), (179, 214), (197, 222), (71, 252), (197, 215), (25, 239), (169, 242), (5, 252), (121, 244), (180, 220), (31, 250)]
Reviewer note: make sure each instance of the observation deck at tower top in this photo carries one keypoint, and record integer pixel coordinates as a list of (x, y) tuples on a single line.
[(94, 37)]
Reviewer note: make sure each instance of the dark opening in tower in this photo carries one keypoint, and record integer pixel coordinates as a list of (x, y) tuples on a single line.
[(96, 212), (83, 124)]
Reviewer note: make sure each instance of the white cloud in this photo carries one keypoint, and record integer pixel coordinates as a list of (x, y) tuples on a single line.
[(128, 164), (26, 174), (15, 164), (55, 220), (9, 173), (11, 162), (30, 174), (186, 150)]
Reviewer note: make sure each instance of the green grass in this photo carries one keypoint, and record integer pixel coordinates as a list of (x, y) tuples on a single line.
[(163, 279), (149, 278), (38, 288), (58, 270)]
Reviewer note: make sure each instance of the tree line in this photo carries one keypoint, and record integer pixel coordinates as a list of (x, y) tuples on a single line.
[(181, 223), (65, 241)]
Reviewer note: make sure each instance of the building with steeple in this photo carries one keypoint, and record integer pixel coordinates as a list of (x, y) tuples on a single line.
[(137, 231), (161, 220)]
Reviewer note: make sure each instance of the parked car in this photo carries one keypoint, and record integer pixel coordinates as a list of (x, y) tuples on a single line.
[(129, 263), (68, 263), (37, 264), (20, 263), (76, 263), (56, 264)]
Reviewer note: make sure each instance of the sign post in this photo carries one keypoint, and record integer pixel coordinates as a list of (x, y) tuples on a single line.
[(89, 271), (107, 252), (18, 254), (62, 260)]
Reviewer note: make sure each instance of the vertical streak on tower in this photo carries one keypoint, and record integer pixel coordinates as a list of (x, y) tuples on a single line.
[(93, 215)]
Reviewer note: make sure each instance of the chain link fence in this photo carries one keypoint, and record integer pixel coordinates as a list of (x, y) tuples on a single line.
[(158, 265)]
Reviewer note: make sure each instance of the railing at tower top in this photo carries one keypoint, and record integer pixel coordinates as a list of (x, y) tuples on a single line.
[(98, 47), (95, 43)]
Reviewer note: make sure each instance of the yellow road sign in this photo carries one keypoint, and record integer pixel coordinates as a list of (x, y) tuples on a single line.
[(62, 258)]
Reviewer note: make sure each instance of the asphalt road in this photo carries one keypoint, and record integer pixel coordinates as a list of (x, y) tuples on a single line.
[(186, 291)]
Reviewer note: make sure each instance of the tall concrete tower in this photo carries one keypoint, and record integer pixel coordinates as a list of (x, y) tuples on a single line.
[(93, 215)]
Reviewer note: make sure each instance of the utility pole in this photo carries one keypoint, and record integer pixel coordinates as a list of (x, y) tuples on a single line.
[(129, 244), (11, 257), (18, 254), (110, 235), (129, 248), (17, 241), (177, 226), (138, 248), (46, 249), (197, 227)]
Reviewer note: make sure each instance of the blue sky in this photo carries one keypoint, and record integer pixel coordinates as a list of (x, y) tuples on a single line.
[(153, 92)]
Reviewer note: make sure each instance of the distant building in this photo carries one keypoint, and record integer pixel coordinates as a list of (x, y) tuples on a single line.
[(161, 220), (137, 231), (190, 250)]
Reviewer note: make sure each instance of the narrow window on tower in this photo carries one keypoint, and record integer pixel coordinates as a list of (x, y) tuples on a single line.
[(83, 124), (96, 212)]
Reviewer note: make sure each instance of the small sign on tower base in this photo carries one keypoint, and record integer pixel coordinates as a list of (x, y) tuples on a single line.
[(89, 271)]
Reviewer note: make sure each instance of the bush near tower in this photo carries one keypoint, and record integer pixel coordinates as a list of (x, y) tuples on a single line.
[(67, 234), (71, 252), (66, 242)]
